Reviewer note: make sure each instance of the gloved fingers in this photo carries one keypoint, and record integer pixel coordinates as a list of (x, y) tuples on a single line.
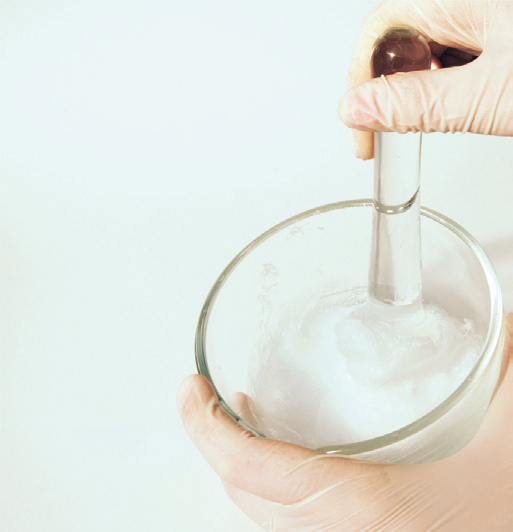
[(324, 513), (363, 141), (247, 462), (460, 25), (445, 24), (239, 403), (435, 100), (288, 488), (332, 507), (237, 456), (263, 512)]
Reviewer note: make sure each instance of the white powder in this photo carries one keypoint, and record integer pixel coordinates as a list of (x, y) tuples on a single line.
[(334, 370)]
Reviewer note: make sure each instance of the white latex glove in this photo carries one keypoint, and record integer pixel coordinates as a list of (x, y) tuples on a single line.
[(476, 97), (290, 488)]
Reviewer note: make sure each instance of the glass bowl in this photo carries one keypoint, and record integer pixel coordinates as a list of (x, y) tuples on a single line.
[(325, 251)]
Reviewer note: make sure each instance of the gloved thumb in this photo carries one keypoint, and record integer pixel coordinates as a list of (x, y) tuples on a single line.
[(476, 98)]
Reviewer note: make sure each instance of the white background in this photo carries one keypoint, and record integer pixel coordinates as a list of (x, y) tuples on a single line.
[(142, 145)]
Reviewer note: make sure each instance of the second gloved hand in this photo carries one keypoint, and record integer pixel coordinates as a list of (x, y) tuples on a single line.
[(476, 97)]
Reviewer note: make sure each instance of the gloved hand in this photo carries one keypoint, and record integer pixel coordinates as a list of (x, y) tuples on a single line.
[(290, 488), (476, 97)]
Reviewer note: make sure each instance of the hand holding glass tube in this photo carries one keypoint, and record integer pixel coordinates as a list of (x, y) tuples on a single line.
[(474, 96)]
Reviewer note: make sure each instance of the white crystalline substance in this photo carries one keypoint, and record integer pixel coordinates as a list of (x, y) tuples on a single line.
[(341, 372)]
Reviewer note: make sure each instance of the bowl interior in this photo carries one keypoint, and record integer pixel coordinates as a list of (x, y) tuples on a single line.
[(319, 253)]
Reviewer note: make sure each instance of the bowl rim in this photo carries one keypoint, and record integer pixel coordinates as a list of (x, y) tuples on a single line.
[(492, 339)]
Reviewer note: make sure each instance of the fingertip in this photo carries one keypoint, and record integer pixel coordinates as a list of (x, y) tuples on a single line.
[(362, 139), (363, 144), (344, 110), (193, 391)]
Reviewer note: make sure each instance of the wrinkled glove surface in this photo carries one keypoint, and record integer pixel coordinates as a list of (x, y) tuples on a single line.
[(476, 96)]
